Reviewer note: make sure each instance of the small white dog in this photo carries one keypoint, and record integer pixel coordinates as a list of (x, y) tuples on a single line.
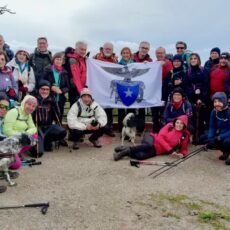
[(129, 128), (9, 147)]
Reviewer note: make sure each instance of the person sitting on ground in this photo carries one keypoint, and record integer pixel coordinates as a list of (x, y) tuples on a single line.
[(219, 127), (46, 113), (172, 139), (19, 120), (177, 106), (86, 116)]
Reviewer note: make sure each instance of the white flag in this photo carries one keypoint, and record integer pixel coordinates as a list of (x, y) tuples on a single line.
[(137, 85)]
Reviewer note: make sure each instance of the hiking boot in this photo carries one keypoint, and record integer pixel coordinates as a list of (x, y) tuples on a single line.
[(75, 145), (95, 143), (119, 155), (224, 156), (109, 132), (227, 162), (120, 148), (3, 188), (63, 142), (49, 147)]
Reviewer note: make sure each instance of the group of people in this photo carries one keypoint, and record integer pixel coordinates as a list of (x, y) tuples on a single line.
[(34, 89)]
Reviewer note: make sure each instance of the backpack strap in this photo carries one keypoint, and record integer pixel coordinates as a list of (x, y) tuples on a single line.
[(79, 109)]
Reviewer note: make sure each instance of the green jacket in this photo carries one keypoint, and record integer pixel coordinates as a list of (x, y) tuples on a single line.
[(17, 121)]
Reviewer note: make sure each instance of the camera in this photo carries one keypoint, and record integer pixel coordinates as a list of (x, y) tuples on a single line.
[(94, 123)]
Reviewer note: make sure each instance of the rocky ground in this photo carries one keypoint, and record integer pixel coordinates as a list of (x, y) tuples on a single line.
[(86, 189)]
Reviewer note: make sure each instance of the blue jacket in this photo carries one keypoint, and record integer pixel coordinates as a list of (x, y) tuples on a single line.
[(219, 125)]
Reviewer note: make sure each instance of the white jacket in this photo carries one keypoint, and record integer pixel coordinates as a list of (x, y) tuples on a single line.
[(79, 119), (27, 76)]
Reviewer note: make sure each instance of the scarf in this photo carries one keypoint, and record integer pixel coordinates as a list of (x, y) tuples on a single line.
[(177, 105), (56, 74), (21, 66), (58, 68), (124, 62)]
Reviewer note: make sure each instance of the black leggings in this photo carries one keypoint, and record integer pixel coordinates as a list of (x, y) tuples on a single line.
[(145, 150)]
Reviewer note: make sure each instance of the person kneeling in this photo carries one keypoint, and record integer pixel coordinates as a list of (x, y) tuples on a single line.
[(47, 111), (86, 116), (219, 127), (172, 137)]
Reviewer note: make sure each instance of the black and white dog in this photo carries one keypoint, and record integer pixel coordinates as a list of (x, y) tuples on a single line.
[(129, 128), (9, 147)]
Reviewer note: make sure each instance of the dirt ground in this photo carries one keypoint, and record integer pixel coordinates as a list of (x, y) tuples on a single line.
[(86, 189)]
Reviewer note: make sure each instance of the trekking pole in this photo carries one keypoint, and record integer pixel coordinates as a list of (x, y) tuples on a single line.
[(137, 163), (30, 164), (44, 207), (177, 162)]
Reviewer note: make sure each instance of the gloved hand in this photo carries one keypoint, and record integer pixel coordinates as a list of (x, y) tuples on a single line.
[(23, 89)]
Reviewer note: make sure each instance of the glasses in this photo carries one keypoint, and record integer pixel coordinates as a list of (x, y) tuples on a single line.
[(193, 58), (180, 48), (45, 89), (6, 107), (223, 57), (145, 48)]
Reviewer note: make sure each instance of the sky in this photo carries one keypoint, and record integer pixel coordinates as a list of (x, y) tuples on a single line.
[(202, 24)]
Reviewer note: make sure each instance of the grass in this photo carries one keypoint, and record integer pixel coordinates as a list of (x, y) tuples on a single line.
[(208, 212)]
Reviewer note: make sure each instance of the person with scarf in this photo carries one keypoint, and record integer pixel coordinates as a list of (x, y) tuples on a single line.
[(23, 73), (172, 139), (19, 120), (7, 82), (177, 106), (219, 127), (58, 78)]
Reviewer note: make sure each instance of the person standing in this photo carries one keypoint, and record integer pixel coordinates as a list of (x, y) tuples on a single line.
[(76, 68), (213, 61), (40, 58), (107, 55), (23, 73), (142, 56), (167, 66), (6, 48)]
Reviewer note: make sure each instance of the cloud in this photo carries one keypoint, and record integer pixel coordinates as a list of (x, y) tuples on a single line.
[(202, 24)]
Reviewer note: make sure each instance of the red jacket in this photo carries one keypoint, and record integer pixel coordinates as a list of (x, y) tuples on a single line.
[(78, 70), (218, 80), (137, 59), (168, 138), (166, 68), (101, 57)]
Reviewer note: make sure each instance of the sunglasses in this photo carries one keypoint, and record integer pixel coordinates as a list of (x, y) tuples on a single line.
[(180, 48), (6, 107)]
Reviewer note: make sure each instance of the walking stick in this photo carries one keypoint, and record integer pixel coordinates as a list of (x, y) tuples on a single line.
[(137, 163), (176, 162), (44, 207)]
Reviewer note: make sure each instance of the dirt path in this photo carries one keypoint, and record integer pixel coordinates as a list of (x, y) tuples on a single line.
[(88, 190)]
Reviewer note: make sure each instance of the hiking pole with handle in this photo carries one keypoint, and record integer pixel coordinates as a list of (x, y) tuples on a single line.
[(176, 162), (44, 207), (137, 163)]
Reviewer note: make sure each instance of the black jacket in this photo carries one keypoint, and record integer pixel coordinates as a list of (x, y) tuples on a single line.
[(63, 82)]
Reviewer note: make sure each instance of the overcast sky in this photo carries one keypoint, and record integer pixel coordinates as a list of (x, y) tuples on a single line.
[(203, 24)]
